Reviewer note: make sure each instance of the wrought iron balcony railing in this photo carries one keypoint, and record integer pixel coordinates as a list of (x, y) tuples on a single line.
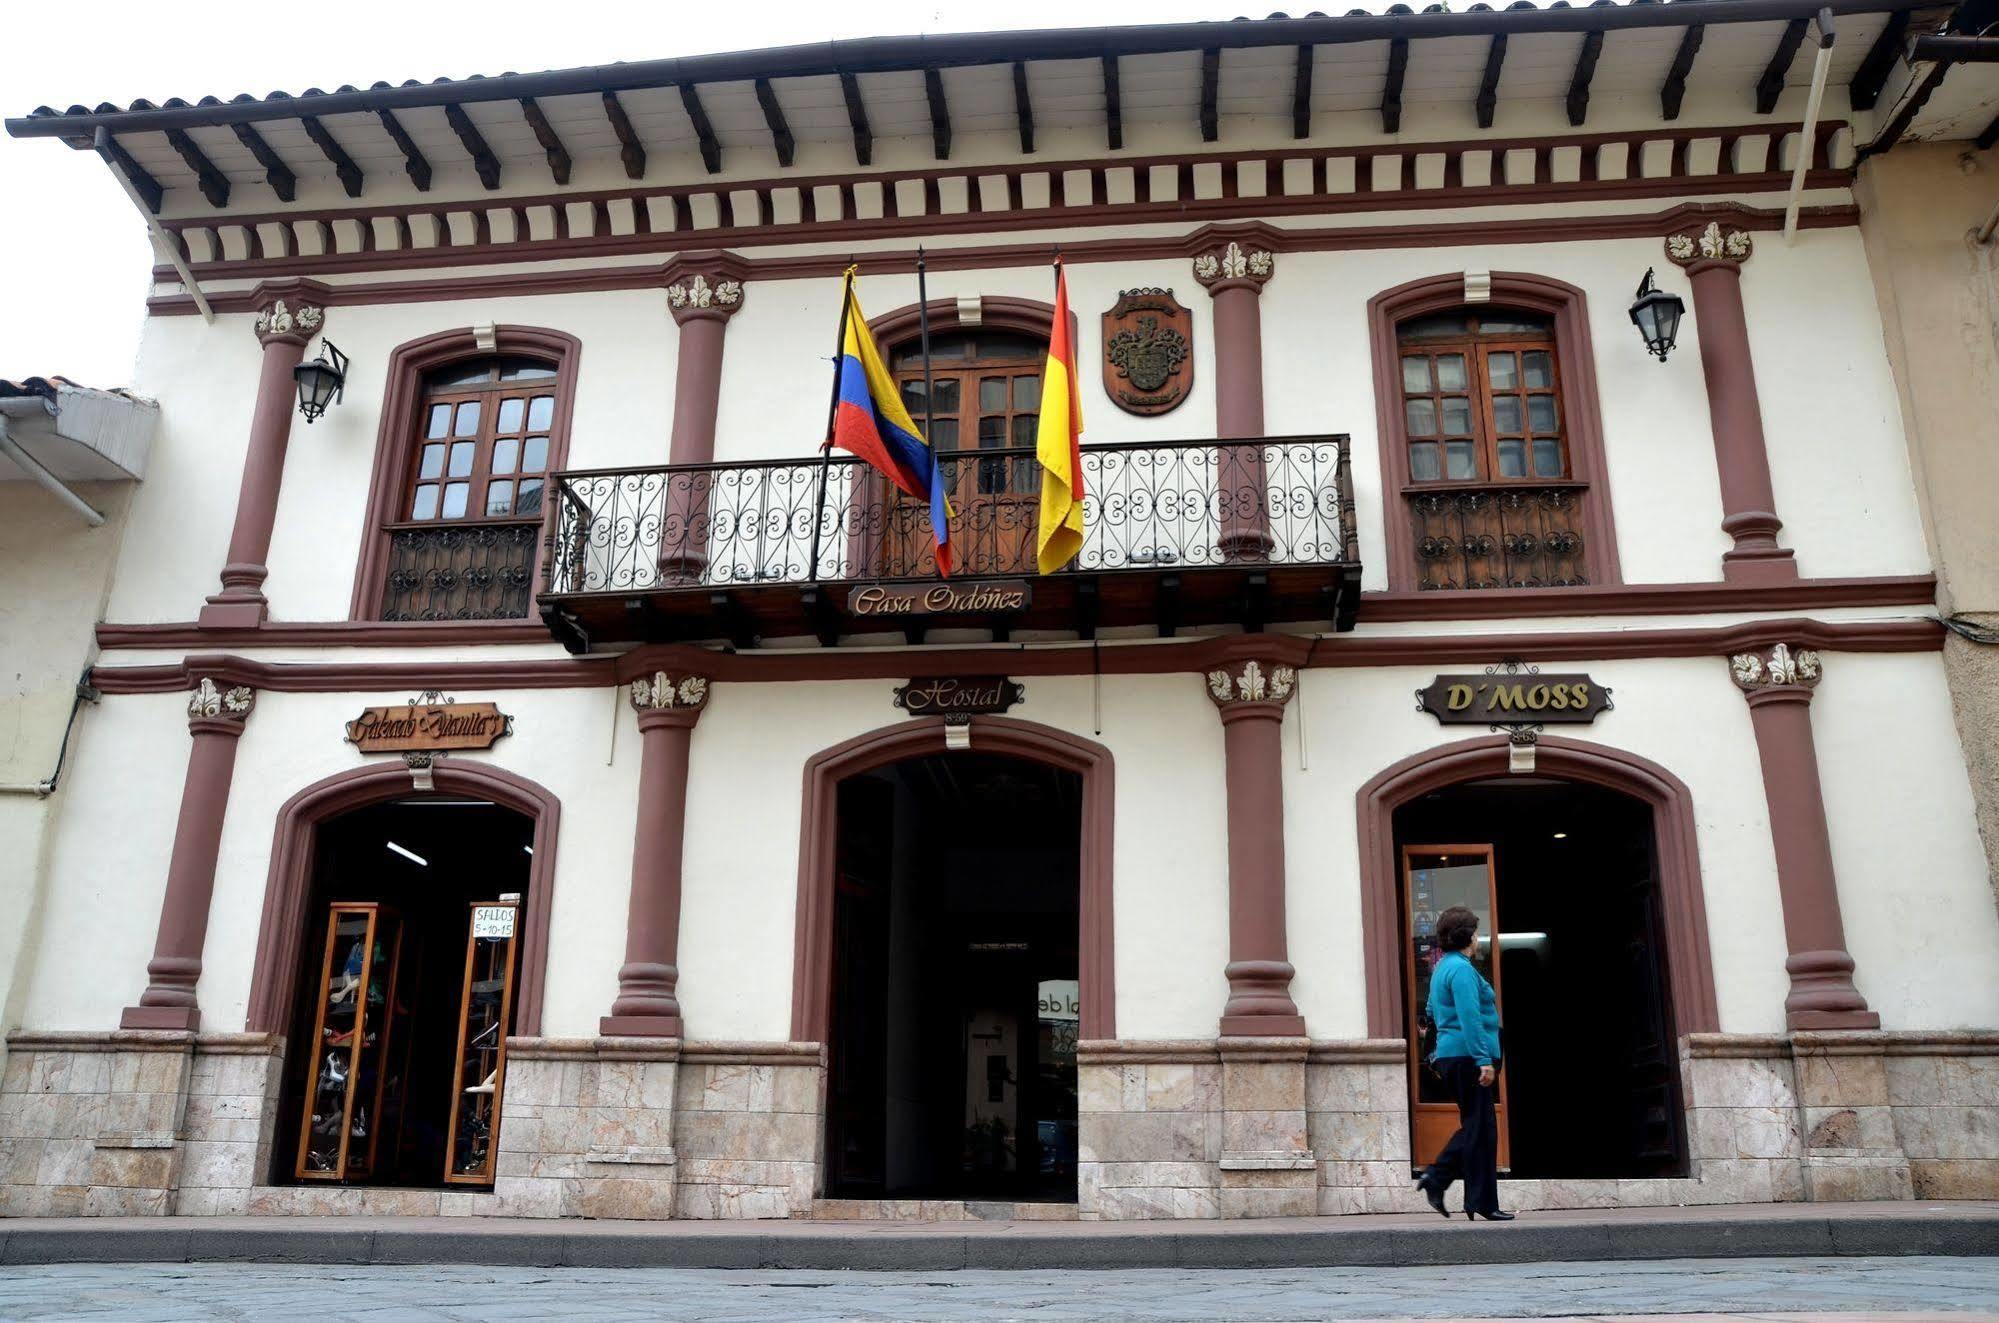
[(1236, 530), (1499, 536)]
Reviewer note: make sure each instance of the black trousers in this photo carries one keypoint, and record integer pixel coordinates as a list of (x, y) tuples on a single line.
[(1472, 1155)]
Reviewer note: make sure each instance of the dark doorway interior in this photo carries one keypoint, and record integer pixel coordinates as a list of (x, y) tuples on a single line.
[(427, 861), (1592, 1082), (954, 1013)]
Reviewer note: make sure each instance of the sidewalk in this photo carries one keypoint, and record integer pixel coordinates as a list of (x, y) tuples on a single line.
[(1589, 1235)]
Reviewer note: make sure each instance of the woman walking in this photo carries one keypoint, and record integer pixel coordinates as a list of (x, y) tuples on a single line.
[(1467, 1056)]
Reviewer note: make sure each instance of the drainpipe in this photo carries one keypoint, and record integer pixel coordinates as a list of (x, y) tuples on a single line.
[(1821, 63), (23, 407)]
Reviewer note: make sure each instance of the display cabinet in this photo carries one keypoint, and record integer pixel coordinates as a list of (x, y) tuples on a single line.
[(485, 1009), (1434, 878), (355, 1024)]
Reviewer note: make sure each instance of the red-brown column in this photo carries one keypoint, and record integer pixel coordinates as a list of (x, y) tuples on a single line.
[(701, 308), (283, 328), (668, 706), (1251, 696), (1778, 682), (1235, 280), (1713, 261), (215, 717)]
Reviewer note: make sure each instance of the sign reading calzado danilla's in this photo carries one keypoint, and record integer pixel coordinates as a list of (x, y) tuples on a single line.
[(1512, 697)]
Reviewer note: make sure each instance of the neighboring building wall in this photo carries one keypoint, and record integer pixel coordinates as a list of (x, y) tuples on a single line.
[(1939, 296)]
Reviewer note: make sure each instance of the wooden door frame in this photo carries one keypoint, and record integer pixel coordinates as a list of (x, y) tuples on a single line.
[(1414, 1041)]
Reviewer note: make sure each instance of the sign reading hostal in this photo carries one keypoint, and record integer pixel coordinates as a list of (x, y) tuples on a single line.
[(960, 695), (1511, 698), (419, 727), (980, 598)]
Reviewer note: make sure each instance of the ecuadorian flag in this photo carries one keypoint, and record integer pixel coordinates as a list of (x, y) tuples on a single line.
[(871, 422)]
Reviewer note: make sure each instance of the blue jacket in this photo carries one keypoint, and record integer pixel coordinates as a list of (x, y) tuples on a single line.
[(1464, 1010)]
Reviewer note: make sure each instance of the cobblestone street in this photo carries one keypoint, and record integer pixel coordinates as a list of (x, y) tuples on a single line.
[(1909, 1288)]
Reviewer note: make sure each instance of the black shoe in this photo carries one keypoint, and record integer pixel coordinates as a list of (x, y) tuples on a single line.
[(1494, 1216), (1434, 1195)]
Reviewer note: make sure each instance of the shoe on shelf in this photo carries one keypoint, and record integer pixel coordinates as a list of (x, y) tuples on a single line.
[(485, 1085)]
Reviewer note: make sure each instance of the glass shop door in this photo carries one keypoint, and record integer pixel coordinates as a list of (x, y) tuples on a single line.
[(1434, 878)]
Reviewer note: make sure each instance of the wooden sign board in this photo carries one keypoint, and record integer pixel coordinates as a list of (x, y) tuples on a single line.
[(1513, 698), (423, 727), (983, 598), (957, 695)]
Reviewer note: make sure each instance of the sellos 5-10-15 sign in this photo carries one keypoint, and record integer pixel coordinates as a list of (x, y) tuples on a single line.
[(1513, 697)]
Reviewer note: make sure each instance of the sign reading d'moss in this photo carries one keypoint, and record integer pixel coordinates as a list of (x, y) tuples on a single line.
[(1513, 698)]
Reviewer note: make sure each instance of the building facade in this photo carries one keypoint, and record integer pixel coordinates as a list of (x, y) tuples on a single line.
[(549, 783)]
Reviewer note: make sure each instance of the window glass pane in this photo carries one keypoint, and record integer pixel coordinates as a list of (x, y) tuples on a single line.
[(1422, 417), (468, 419), (1446, 323), (1459, 461), (1457, 416), (1538, 367), (945, 435), (461, 458), (521, 369), (462, 374), (541, 413), (992, 433), (1506, 414), (947, 395), (511, 412), (1513, 459), (1027, 392), (499, 499), (1450, 372), (455, 494), (425, 505), (1416, 375), (912, 399), (1511, 323), (440, 421), (528, 502), (432, 463), (1541, 412), (1024, 427), (534, 454), (1423, 462), (1503, 371), (505, 452), (1547, 458), (992, 393)]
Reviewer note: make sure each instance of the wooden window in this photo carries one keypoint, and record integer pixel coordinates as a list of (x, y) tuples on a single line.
[(1481, 398), (481, 452), (987, 396)]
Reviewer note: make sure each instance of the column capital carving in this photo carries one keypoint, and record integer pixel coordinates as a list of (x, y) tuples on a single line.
[(1710, 246), (1251, 685), (1229, 266), (212, 707), (1777, 669), (288, 321), (668, 697), (704, 286)]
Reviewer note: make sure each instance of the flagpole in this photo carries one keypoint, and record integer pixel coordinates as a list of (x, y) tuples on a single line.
[(929, 393), (832, 416)]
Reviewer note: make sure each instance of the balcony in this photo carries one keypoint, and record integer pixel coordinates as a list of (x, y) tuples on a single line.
[(1186, 533)]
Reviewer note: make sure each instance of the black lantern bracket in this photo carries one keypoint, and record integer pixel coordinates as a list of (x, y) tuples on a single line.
[(321, 382), (1657, 313)]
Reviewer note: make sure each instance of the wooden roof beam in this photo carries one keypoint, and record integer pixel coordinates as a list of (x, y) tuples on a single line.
[(1579, 82), (551, 143), (630, 149), (940, 113), (1211, 86), (857, 119), (1113, 105), (214, 185), (413, 157), (704, 132), (1023, 106), (1771, 85), (1301, 95), (1675, 89), (483, 160), (119, 159), (1869, 78), (1487, 103), (343, 164), (1391, 94), (780, 128), (279, 175)]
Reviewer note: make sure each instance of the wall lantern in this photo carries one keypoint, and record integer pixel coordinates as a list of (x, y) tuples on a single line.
[(1657, 315), (320, 382)]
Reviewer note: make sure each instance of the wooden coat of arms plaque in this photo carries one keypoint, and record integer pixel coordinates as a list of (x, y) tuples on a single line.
[(1148, 352)]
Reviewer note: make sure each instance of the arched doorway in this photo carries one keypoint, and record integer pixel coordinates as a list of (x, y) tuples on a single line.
[(1586, 877), (403, 943), (954, 946)]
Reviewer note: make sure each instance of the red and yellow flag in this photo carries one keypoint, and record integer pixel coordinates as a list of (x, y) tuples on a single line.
[(1059, 443)]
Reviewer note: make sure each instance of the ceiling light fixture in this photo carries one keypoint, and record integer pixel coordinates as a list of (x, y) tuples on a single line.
[(410, 855)]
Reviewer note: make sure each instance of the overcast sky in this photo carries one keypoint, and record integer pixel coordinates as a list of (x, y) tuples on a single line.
[(74, 255)]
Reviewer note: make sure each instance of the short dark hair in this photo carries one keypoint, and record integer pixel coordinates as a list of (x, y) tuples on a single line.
[(1456, 927)]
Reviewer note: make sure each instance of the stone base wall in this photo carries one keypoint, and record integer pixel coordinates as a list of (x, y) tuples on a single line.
[(155, 1122)]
